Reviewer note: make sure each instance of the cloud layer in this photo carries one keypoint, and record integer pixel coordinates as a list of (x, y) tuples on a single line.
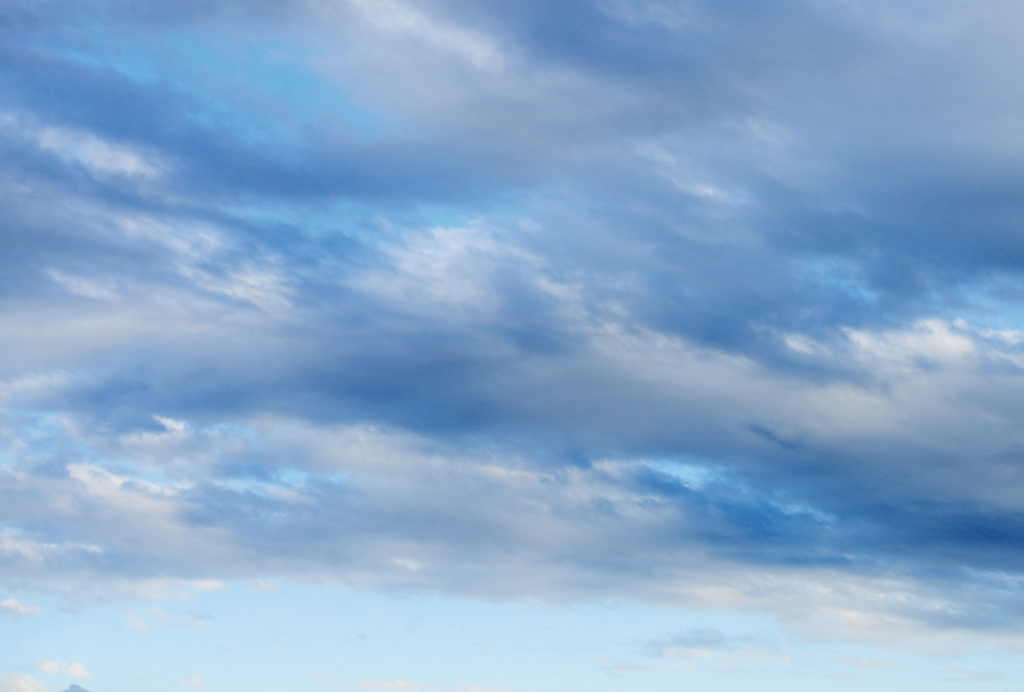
[(692, 303)]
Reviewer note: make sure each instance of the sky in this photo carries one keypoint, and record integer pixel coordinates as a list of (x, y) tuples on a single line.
[(449, 346)]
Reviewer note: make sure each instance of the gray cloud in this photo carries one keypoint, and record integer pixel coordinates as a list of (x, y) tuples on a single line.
[(578, 301)]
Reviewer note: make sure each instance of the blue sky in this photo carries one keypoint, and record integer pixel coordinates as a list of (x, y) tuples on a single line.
[(459, 346)]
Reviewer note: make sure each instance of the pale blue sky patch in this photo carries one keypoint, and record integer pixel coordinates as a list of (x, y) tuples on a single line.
[(995, 303), (322, 637), (692, 475), (274, 78)]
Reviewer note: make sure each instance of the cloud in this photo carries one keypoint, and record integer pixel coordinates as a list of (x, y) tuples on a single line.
[(192, 680), (402, 685), (958, 674), (867, 664), (397, 17), (140, 621), (15, 609), (137, 622), (629, 300), (265, 585), (715, 645), (75, 670), (98, 156), (101, 158), (20, 682)]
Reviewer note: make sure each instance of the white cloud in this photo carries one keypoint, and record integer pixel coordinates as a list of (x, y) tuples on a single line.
[(405, 686), (260, 284), (400, 475), (87, 287), (398, 17), (185, 621), (14, 545), (867, 663), (207, 584), (449, 268), (137, 622), (935, 340), (15, 609), (690, 181), (75, 670), (391, 686), (746, 653), (97, 155), (265, 585), (102, 158), (671, 15), (20, 682), (953, 673), (192, 680)]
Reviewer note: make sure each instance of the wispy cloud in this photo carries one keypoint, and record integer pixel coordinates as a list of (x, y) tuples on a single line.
[(20, 682), (715, 645), (16, 609), (192, 680), (75, 670), (402, 686)]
